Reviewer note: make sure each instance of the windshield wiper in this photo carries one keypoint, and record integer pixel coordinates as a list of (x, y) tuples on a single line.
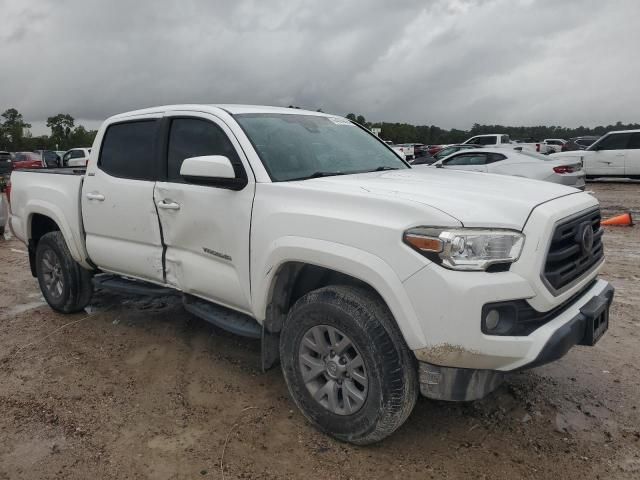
[(384, 169), (319, 175)]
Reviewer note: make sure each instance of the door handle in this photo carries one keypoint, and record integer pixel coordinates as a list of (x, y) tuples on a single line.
[(95, 196), (168, 205)]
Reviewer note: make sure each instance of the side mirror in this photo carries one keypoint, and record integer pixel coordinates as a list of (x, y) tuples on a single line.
[(439, 165), (213, 170)]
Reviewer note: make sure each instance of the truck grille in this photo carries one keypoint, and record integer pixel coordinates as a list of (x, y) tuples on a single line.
[(576, 247)]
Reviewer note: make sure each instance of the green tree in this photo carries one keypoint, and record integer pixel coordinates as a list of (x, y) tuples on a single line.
[(352, 117), (81, 137), (12, 129), (61, 126)]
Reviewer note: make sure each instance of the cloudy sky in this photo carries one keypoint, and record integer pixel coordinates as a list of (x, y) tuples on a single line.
[(451, 62)]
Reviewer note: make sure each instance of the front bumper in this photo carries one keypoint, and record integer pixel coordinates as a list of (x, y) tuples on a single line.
[(577, 330), (465, 384)]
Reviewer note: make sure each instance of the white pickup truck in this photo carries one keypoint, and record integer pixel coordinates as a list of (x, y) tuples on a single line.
[(368, 280), (502, 140), (616, 154), (397, 148)]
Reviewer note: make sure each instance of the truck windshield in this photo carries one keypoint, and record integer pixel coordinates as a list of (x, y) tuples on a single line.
[(298, 147)]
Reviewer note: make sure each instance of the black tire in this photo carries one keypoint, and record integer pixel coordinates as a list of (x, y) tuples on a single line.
[(74, 290), (1, 231), (391, 368)]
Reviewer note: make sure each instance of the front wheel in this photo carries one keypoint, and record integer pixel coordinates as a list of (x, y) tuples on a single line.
[(346, 364), (65, 285)]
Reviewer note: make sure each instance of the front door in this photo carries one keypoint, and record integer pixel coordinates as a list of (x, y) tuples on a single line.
[(205, 228), (118, 211), (607, 156)]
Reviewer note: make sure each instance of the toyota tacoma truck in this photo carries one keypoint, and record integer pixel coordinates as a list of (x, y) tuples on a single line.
[(369, 281)]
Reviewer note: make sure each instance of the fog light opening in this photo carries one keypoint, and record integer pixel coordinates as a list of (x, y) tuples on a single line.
[(492, 320)]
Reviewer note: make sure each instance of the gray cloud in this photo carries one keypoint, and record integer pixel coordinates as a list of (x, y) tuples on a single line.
[(450, 63)]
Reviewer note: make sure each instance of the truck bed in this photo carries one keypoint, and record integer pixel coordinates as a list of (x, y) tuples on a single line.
[(53, 193)]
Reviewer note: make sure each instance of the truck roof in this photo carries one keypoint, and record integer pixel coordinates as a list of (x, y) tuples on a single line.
[(620, 131), (212, 108), (489, 135)]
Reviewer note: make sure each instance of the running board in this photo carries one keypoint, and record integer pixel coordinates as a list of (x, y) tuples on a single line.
[(222, 317), (129, 286)]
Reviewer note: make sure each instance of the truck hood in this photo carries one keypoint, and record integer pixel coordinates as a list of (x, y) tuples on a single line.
[(474, 199)]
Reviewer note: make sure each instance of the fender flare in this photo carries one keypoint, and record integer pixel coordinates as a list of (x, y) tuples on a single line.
[(345, 259), (77, 250)]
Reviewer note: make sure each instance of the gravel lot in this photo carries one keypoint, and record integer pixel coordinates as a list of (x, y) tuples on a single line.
[(141, 389)]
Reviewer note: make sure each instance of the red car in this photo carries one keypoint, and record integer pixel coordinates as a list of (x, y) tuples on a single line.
[(433, 149), (27, 160)]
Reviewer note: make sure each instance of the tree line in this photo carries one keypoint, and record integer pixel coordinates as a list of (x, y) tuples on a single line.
[(434, 135), (15, 135), (65, 134)]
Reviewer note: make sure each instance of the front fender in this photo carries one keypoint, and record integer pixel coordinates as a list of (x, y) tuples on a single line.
[(359, 264)]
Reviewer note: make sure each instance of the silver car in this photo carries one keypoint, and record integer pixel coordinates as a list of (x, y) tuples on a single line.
[(518, 163)]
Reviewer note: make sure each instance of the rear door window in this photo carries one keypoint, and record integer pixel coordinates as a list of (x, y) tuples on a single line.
[(495, 157), (77, 154), (128, 150), (467, 159), (634, 143), (487, 140), (616, 141)]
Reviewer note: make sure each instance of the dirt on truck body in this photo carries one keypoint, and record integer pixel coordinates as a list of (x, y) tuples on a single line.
[(139, 388)]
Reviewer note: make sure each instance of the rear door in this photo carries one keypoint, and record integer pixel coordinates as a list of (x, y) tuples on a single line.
[(632, 158), (205, 227), (476, 162), (118, 211), (609, 157)]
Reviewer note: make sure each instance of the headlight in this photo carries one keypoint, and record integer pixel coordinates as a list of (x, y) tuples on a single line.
[(466, 248)]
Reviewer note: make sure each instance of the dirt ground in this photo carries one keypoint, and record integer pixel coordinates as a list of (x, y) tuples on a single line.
[(141, 389)]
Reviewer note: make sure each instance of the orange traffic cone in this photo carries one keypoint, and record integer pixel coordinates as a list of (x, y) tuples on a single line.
[(619, 220)]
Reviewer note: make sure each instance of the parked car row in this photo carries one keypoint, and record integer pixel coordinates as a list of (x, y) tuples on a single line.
[(76, 157)]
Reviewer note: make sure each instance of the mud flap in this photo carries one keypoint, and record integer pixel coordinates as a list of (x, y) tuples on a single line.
[(457, 384), (270, 349)]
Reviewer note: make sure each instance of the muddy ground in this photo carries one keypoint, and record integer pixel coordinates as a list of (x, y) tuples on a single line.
[(141, 389)]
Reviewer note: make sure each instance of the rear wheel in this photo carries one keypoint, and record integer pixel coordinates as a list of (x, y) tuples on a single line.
[(65, 285), (346, 364)]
